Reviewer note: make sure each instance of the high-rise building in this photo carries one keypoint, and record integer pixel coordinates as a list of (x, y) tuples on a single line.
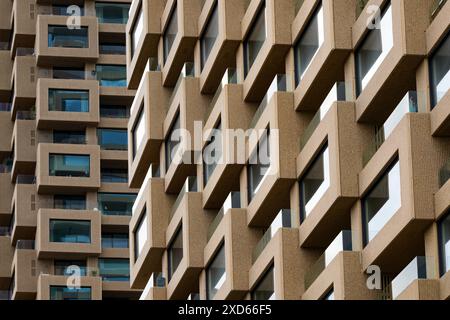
[(350, 101), (65, 203)]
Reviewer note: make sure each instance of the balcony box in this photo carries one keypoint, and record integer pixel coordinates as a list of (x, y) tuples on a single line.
[(5, 196), (53, 91), (187, 106), (52, 184), (344, 141), (333, 49), (5, 24), (442, 196), (414, 207), (64, 50), (25, 203), (182, 16), (6, 64), (223, 18), (7, 257), (142, 37), (25, 75), (6, 130), (24, 142), (155, 288), (115, 222), (152, 206), (47, 249), (234, 116), (271, 56), (45, 281), (145, 127), (390, 75), (23, 16)]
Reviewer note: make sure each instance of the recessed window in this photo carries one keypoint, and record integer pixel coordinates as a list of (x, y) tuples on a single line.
[(140, 235), (258, 165), (373, 49), (114, 175), (67, 165), (63, 10), (66, 293), (139, 131), (70, 231), (63, 37), (114, 111), (69, 202), (110, 12), (136, 31), (382, 202), (69, 137), (215, 273), (170, 33), (308, 44), (314, 183), (175, 252), (115, 240), (116, 204), (255, 39), (444, 244), (111, 75), (68, 73), (210, 34), (70, 267), (212, 152), (440, 71), (112, 139), (110, 47), (114, 269), (68, 100), (173, 140), (264, 290)]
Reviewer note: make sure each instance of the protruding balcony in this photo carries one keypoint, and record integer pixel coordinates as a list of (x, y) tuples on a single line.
[(155, 288), (7, 257), (25, 203), (25, 75), (24, 142)]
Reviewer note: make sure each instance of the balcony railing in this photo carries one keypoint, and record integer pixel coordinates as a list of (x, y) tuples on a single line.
[(189, 186), (25, 244), (25, 179), (436, 7), (279, 84), (282, 220), (408, 104), (157, 280), (229, 77), (337, 93), (25, 115), (188, 71), (232, 201), (444, 174), (343, 242), (5, 232), (152, 172), (416, 269), (5, 106), (5, 295)]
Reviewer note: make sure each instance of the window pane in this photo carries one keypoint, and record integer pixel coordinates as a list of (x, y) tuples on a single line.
[(210, 35), (69, 137), (444, 244), (112, 12), (63, 37), (68, 73), (116, 204), (113, 111), (69, 202), (175, 252), (64, 165), (139, 131), (112, 139), (140, 235), (114, 175), (136, 31), (115, 240), (212, 153), (215, 274), (255, 40), (69, 267), (173, 140), (258, 166), (112, 48), (66, 293), (68, 100), (170, 32), (265, 289), (114, 269), (440, 71), (70, 231), (62, 10), (111, 75)]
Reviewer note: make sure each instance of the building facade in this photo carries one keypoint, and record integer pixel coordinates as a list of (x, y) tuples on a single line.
[(65, 203), (350, 99)]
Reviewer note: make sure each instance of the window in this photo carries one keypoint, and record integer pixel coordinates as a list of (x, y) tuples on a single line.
[(111, 75), (136, 31), (255, 39), (308, 44), (68, 73), (66, 293), (329, 295), (139, 131), (175, 252), (116, 204), (70, 231), (258, 165), (210, 34), (314, 183), (69, 267), (112, 48), (108, 12), (382, 202), (69, 202), (373, 49), (444, 244), (170, 33), (212, 153), (114, 175), (114, 269), (264, 290), (173, 140), (63, 10), (112, 139), (63, 37), (69, 137), (440, 71), (215, 273), (140, 235), (68, 100), (66, 165), (115, 240), (114, 111)]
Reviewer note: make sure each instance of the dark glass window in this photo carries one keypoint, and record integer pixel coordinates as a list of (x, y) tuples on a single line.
[(116, 204), (440, 71), (114, 111), (66, 293), (444, 244), (63, 37), (68, 100), (210, 34), (111, 12), (170, 33), (68, 73), (111, 75), (69, 137), (255, 39), (67, 165), (112, 48), (113, 139), (62, 10), (212, 153), (69, 267), (264, 290), (258, 166), (139, 131), (69, 202), (140, 234), (115, 240), (215, 273), (172, 141), (114, 175), (114, 269), (175, 252), (70, 231)]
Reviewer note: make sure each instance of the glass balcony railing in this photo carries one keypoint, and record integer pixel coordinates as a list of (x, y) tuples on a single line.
[(279, 84), (157, 280), (343, 242), (25, 179), (25, 244), (337, 93), (5, 232), (416, 269), (282, 220), (26, 115), (229, 77), (189, 186), (5, 106), (5, 295), (444, 174), (436, 7), (188, 71), (232, 201), (407, 104)]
